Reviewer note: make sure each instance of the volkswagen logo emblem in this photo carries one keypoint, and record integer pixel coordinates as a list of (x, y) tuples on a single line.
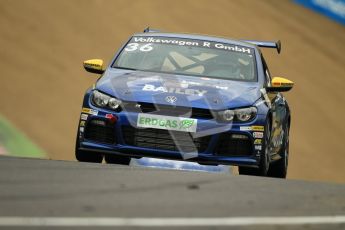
[(171, 99)]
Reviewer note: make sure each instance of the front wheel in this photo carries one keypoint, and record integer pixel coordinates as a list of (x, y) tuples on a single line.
[(264, 158), (279, 168), (86, 156)]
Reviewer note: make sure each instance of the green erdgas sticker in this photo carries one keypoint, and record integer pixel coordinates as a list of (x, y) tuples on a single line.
[(166, 122)]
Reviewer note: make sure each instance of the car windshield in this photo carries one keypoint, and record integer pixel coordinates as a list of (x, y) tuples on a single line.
[(188, 57)]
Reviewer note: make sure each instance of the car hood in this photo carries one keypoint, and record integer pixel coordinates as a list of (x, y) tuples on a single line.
[(178, 90)]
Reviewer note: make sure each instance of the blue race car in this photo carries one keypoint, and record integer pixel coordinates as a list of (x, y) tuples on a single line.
[(187, 97)]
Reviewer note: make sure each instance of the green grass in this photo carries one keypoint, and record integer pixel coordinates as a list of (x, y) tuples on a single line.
[(17, 143)]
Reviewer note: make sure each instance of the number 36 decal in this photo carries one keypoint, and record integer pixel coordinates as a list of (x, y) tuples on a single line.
[(134, 46)]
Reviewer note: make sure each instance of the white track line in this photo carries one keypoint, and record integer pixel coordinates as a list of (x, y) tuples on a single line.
[(167, 222)]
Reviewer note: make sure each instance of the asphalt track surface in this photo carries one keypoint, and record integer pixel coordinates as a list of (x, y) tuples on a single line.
[(60, 190)]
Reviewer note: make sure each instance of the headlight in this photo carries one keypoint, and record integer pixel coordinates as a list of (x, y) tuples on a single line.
[(227, 115), (237, 115), (114, 103), (100, 99), (246, 114), (103, 100)]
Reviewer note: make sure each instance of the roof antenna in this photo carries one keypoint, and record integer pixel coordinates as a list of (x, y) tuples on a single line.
[(147, 30)]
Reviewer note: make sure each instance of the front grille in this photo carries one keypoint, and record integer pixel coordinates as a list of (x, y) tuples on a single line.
[(202, 113), (164, 139), (229, 146), (170, 110), (100, 131)]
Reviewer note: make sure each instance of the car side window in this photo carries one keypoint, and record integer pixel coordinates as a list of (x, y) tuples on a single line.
[(266, 71)]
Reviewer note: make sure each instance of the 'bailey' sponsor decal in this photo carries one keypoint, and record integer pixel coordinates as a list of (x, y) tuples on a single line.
[(163, 89)]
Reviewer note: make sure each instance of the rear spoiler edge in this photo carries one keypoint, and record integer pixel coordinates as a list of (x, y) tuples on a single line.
[(266, 44)]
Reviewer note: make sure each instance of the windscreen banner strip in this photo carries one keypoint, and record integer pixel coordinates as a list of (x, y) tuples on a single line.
[(195, 43)]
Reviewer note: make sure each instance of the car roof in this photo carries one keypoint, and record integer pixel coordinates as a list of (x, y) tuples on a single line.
[(197, 37)]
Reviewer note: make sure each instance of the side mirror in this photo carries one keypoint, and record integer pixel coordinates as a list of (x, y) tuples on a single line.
[(94, 66), (280, 84)]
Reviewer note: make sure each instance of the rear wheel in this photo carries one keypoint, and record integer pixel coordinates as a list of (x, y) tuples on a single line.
[(264, 159), (279, 168), (120, 160), (87, 156)]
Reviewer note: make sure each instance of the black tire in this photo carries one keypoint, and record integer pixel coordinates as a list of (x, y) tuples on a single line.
[(87, 156), (120, 160), (264, 160), (279, 169)]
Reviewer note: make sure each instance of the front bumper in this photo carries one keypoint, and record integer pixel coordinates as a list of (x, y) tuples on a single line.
[(213, 143)]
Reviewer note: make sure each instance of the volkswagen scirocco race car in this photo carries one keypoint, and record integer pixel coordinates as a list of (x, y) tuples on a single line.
[(187, 97)]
